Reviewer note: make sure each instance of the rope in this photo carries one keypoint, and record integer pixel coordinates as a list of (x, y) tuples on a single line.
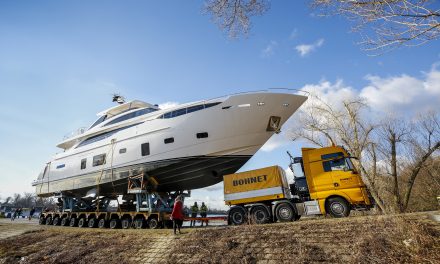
[(102, 170)]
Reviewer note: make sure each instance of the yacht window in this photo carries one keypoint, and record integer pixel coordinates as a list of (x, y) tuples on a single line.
[(122, 150), (102, 136), (83, 164), (98, 160), (61, 166), (145, 149), (99, 121), (168, 140), (131, 115), (188, 110), (195, 108), (202, 135)]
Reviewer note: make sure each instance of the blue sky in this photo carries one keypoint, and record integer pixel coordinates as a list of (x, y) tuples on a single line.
[(60, 61)]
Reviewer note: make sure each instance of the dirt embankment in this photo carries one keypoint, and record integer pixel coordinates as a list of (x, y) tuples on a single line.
[(411, 238)]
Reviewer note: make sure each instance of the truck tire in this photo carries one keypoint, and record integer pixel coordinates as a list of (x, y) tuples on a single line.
[(285, 213), (114, 223), (337, 207), (102, 223), (73, 222), (48, 220), (153, 223), (64, 221), (237, 215), (92, 222), (260, 214), (56, 221), (139, 223), (82, 222), (126, 223), (42, 220)]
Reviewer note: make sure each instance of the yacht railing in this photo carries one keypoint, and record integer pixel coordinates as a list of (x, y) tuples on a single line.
[(280, 89), (75, 133)]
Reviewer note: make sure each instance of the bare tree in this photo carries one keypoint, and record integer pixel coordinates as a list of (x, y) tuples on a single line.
[(393, 22), (233, 16)]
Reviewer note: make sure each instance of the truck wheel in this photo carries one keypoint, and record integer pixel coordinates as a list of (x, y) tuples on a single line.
[(237, 215), (260, 215), (114, 223), (48, 220), (337, 207), (42, 220), (139, 223), (284, 212), (153, 223), (82, 222), (102, 223), (92, 222), (126, 223), (73, 222), (56, 221), (64, 221)]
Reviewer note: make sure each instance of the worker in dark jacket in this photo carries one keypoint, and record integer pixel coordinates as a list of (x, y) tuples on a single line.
[(203, 212), (31, 213), (177, 214), (194, 211)]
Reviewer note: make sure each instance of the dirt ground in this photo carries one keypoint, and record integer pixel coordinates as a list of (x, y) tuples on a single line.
[(409, 238)]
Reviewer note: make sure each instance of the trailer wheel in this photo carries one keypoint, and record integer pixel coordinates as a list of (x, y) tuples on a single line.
[(56, 221), (337, 207), (139, 223), (260, 214), (237, 215), (102, 223), (114, 223), (92, 222), (82, 222), (153, 223), (49, 220), (73, 222), (284, 212), (64, 221), (42, 220), (126, 223)]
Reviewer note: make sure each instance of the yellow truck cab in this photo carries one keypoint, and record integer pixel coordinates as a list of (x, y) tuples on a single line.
[(326, 182)]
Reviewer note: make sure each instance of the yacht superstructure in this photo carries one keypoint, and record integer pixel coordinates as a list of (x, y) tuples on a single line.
[(186, 147)]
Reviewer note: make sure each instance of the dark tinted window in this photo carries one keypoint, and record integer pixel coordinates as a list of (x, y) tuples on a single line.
[(188, 110), (145, 149), (122, 150), (202, 135), (131, 115), (102, 136), (99, 121), (61, 166), (99, 160), (195, 108), (168, 140), (332, 155), (83, 164)]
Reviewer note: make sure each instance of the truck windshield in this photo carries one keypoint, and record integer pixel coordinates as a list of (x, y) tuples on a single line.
[(342, 164), (297, 170)]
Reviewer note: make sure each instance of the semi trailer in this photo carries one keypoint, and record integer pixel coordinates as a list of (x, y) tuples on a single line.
[(325, 182)]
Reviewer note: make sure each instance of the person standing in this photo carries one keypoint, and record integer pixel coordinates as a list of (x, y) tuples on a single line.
[(194, 211), (177, 214), (31, 213), (203, 213), (14, 214)]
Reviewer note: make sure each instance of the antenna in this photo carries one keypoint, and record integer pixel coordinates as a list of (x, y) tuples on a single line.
[(118, 99)]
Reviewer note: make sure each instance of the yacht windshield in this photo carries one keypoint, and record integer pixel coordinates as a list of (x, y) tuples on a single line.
[(131, 115), (99, 121)]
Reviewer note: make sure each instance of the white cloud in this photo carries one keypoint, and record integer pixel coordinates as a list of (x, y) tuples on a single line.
[(305, 49), (167, 105), (269, 50)]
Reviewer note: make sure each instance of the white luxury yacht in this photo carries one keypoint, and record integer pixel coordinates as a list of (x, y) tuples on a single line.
[(186, 147)]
